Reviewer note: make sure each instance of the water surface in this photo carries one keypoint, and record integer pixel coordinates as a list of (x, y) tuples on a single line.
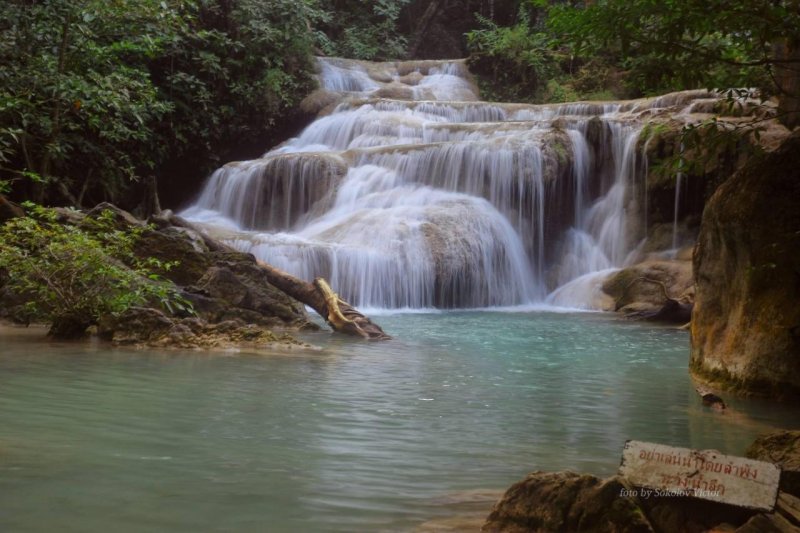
[(354, 437)]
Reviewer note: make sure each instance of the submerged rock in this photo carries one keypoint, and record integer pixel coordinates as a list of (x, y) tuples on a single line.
[(746, 323)]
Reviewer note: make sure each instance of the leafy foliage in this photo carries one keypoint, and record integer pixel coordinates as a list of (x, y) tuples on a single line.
[(519, 58), (643, 47), (233, 74), (73, 275), (77, 93), (97, 94), (686, 44), (363, 29)]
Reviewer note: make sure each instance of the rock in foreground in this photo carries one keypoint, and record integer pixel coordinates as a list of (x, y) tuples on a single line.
[(569, 502), (546, 502), (783, 449), (565, 501)]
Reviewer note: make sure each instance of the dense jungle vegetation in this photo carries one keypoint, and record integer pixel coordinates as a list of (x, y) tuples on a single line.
[(99, 99)]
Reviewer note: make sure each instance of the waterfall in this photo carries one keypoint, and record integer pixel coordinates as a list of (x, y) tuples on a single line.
[(678, 182), (413, 193), (600, 240)]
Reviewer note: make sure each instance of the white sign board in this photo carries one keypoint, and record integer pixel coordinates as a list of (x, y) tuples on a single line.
[(705, 474)]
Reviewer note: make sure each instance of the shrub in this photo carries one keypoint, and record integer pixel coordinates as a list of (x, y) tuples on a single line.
[(71, 275), (514, 63)]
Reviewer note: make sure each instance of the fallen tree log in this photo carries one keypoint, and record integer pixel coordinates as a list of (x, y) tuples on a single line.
[(340, 315)]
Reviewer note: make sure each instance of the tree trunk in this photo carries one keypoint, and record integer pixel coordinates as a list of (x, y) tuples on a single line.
[(421, 28), (55, 116), (340, 315), (9, 210), (150, 204), (787, 79)]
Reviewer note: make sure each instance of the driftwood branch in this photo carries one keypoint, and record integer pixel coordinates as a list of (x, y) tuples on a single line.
[(340, 315)]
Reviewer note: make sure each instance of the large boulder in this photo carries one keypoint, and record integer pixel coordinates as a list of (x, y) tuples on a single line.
[(645, 289), (183, 248), (746, 323), (236, 288), (221, 283), (476, 258)]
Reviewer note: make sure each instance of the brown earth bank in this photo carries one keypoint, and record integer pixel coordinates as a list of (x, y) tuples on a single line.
[(569, 502)]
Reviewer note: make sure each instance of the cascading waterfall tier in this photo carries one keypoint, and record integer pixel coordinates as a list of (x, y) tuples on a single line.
[(411, 192)]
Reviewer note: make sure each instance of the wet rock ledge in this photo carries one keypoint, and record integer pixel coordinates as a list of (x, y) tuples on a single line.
[(570, 502)]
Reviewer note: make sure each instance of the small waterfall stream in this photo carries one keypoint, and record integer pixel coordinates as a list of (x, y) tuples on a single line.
[(412, 193)]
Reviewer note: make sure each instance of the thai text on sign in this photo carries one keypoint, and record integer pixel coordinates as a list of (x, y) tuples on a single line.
[(705, 474)]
